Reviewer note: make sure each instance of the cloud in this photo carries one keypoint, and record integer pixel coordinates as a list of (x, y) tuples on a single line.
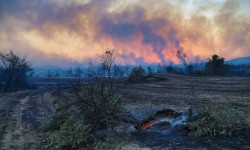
[(61, 32)]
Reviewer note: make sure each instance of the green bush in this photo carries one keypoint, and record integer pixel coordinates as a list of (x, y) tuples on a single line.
[(53, 123), (215, 120), (73, 134)]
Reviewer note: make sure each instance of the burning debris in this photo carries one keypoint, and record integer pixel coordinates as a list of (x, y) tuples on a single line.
[(165, 117), (149, 124)]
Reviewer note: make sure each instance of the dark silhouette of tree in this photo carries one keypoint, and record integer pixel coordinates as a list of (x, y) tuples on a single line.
[(107, 66), (182, 56), (170, 69), (136, 75), (13, 69), (184, 59), (190, 69), (150, 71), (215, 66)]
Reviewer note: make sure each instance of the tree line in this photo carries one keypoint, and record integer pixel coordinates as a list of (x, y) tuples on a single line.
[(14, 70)]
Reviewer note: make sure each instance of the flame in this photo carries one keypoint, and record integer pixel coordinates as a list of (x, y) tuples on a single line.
[(149, 124), (153, 122)]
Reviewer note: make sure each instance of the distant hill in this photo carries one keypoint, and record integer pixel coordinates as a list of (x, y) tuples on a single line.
[(239, 61)]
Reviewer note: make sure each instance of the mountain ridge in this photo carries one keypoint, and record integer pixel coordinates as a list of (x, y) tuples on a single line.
[(239, 61)]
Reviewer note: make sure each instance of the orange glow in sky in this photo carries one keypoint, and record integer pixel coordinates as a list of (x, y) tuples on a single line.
[(52, 32)]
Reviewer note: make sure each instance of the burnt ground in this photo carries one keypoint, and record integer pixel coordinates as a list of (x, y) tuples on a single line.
[(21, 114), (176, 91), (23, 111)]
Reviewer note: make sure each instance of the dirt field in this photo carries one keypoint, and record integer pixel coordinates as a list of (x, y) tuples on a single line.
[(23, 111)]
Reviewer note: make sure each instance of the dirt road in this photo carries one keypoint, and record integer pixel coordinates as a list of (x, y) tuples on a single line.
[(21, 113)]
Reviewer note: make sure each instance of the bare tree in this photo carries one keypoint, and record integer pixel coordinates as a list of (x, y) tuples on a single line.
[(183, 57), (184, 60), (150, 71), (99, 101)]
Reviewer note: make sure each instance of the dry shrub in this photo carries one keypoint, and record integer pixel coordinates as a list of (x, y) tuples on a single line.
[(96, 104), (218, 120), (73, 134)]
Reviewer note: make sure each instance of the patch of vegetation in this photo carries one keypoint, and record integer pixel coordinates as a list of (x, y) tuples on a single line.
[(73, 134), (215, 66), (238, 70), (170, 69), (63, 132), (136, 75), (218, 120), (54, 122), (96, 107)]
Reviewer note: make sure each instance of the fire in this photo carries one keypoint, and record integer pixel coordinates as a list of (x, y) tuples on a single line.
[(149, 124), (153, 122)]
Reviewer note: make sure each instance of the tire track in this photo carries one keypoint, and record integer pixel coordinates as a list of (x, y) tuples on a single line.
[(27, 113)]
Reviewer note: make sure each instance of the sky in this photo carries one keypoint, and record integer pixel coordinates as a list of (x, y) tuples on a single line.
[(68, 32)]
